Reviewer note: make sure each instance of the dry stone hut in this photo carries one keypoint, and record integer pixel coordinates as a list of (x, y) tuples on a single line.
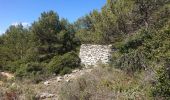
[(91, 55)]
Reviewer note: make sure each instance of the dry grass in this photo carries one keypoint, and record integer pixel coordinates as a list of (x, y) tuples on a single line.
[(105, 83), (17, 90)]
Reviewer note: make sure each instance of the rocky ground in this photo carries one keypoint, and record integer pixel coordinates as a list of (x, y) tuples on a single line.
[(95, 83), (48, 89)]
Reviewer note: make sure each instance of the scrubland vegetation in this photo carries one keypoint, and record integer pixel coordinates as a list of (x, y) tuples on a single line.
[(139, 31)]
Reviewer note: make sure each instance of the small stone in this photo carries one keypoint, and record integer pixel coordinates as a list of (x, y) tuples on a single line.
[(68, 80), (46, 83), (74, 71), (59, 79), (50, 95), (70, 75), (13, 84), (45, 95), (65, 76)]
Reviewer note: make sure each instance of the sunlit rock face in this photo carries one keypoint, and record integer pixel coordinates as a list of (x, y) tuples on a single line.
[(91, 55)]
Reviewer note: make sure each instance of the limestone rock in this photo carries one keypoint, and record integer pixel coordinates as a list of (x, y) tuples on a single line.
[(46, 83), (59, 79), (74, 71), (45, 95)]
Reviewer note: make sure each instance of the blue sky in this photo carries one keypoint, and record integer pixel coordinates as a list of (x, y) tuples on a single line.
[(27, 11)]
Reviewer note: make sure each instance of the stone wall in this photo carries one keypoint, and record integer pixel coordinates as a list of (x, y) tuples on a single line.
[(91, 55)]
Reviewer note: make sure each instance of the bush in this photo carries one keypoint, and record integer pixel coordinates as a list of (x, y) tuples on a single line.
[(63, 64), (134, 41), (162, 87), (30, 69), (13, 66), (132, 62), (65, 70)]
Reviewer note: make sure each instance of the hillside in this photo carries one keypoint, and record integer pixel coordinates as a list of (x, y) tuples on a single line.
[(44, 61), (86, 84)]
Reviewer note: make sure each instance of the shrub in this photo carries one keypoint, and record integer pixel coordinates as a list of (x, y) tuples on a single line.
[(133, 61), (62, 64), (162, 87), (65, 70), (30, 69), (134, 41), (13, 66)]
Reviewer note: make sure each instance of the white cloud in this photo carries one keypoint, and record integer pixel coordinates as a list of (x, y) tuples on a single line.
[(1, 32), (25, 24)]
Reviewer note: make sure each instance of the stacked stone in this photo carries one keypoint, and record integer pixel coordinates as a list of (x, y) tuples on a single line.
[(91, 55)]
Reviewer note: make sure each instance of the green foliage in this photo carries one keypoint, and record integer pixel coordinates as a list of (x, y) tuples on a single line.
[(13, 66), (121, 17), (161, 17), (140, 51), (162, 87), (53, 36), (25, 51), (158, 46), (14, 43), (122, 9), (132, 56), (66, 70), (30, 69), (134, 41), (132, 62), (161, 53), (70, 42), (45, 35), (46, 28), (63, 64)]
